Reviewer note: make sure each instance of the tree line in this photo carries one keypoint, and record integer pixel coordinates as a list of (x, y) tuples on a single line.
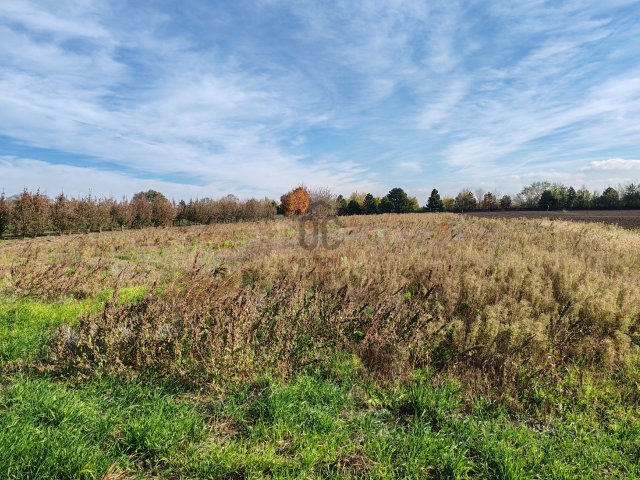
[(537, 196), (34, 213)]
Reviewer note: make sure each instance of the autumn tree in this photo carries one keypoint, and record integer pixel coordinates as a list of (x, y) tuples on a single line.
[(489, 201), (295, 202), (449, 204), (102, 218), (465, 200), (322, 203), (63, 214), (121, 213), (85, 213), (5, 214), (141, 211), (162, 212), (152, 207), (31, 213)]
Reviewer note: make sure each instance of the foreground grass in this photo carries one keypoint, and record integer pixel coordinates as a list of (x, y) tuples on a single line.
[(321, 425), (51, 430)]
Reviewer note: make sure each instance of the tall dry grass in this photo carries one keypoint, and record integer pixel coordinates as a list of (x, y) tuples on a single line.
[(495, 299)]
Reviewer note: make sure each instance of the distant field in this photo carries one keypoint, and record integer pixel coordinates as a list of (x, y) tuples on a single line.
[(399, 346), (624, 218)]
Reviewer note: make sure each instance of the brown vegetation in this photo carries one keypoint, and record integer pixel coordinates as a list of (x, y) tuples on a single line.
[(296, 202), (491, 299), (33, 213)]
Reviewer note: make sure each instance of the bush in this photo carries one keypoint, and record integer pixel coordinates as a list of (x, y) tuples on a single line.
[(296, 202)]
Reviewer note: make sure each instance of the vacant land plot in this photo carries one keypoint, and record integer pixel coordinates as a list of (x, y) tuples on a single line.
[(403, 346), (624, 218)]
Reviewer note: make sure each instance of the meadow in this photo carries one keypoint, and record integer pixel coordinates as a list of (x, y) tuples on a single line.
[(414, 346)]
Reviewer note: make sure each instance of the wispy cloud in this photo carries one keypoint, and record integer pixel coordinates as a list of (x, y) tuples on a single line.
[(258, 96)]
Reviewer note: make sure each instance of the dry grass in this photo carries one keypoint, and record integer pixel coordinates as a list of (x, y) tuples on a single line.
[(491, 299)]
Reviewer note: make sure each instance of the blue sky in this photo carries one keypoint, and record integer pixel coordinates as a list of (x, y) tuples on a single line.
[(205, 98)]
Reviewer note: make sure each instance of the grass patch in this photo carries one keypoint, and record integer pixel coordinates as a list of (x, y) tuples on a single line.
[(317, 426), (27, 323), (50, 430)]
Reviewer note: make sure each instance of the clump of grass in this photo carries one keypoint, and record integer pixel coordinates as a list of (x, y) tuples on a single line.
[(26, 324), (48, 430)]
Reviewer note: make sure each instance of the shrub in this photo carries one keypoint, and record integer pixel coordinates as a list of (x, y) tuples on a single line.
[(295, 202)]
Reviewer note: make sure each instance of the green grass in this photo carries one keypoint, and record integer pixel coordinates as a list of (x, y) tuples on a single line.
[(322, 428), (27, 323), (318, 426), (51, 430)]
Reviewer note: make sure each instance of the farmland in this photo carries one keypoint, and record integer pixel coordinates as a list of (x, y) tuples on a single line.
[(624, 218), (405, 346)]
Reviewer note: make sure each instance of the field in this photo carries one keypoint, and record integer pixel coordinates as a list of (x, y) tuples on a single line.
[(401, 346), (624, 218)]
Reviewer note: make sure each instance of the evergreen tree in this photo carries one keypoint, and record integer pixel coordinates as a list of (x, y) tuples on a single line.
[(505, 202), (341, 205), (370, 204), (571, 197), (435, 202), (399, 201), (385, 205), (548, 201), (354, 208)]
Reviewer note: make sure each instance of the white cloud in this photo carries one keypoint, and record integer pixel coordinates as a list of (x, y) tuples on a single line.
[(613, 164), (414, 167), (19, 173)]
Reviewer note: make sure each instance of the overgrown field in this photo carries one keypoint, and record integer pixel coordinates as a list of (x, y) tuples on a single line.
[(416, 346)]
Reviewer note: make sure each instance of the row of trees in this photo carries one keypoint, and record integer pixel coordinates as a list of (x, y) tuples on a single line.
[(33, 213), (555, 196), (396, 201), (537, 196)]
